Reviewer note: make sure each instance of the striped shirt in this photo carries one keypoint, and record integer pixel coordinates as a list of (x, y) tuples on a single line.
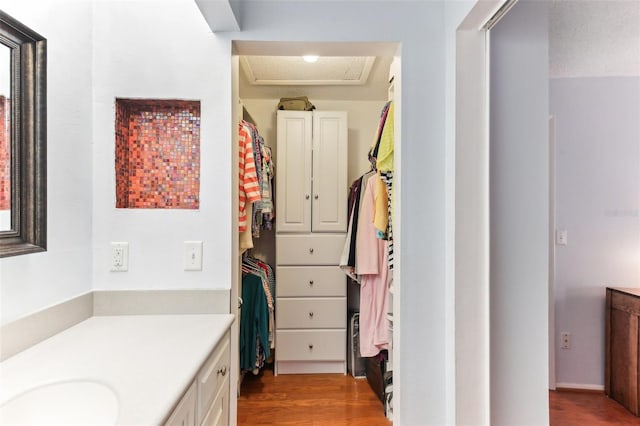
[(249, 188)]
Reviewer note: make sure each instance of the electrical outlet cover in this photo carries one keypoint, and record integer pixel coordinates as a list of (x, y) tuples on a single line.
[(119, 257)]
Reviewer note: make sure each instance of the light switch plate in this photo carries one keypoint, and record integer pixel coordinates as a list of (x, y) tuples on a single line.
[(193, 255)]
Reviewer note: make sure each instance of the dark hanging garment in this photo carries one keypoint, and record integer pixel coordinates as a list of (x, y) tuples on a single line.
[(254, 322)]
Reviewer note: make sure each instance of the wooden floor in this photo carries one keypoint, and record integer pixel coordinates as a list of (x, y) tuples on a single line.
[(587, 409), (308, 399), (335, 399)]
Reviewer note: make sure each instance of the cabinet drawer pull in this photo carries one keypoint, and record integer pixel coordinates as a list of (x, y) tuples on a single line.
[(311, 314), (316, 196), (222, 370), (310, 282), (306, 197), (310, 346), (311, 250)]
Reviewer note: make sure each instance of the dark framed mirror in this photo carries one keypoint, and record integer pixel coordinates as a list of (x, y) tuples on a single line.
[(23, 132)]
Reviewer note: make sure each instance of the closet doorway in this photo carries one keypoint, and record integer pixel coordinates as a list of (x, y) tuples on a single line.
[(259, 83)]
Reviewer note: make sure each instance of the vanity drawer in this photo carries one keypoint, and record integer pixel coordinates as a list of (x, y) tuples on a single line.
[(310, 281), (311, 345), (309, 249), (311, 313), (212, 376)]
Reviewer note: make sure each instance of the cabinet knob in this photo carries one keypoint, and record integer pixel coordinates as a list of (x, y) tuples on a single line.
[(222, 370), (306, 197), (311, 250), (311, 314), (310, 282), (310, 346), (315, 196)]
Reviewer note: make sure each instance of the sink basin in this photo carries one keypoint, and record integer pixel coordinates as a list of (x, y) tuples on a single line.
[(78, 402)]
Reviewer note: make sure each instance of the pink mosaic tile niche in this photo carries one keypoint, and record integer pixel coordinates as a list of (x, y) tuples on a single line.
[(157, 154)]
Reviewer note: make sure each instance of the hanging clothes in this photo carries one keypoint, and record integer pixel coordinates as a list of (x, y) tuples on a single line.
[(373, 269), (254, 324), (249, 189), (257, 319), (348, 257), (256, 172), (381, 156)]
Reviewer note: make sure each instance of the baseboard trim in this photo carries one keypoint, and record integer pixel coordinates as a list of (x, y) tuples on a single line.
[(578, 387)]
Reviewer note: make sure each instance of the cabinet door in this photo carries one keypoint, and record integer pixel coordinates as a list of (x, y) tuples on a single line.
[(185, 413), (330, 184), (293, 168)]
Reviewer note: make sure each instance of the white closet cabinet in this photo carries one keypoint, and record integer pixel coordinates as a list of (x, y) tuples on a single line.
[(311, 188), (311, 212)]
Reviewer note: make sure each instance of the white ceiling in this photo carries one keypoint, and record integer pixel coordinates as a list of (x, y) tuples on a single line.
[(587, 38)]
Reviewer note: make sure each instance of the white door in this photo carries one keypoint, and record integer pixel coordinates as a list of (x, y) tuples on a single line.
[(330, 187), (293, 169)]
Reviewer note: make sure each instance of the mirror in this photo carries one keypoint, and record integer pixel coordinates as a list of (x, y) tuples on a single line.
[(5, 138), (23, 172)]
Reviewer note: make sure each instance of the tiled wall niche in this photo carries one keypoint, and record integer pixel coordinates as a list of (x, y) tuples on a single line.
[(5, 154), (157, 154)]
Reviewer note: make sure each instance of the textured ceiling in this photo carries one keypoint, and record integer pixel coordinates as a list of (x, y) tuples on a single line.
[(594, 38), (295, 70)]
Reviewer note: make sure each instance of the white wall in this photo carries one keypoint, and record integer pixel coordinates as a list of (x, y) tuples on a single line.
[(519, 216), (165, 50), (29, 283), (598, 203)]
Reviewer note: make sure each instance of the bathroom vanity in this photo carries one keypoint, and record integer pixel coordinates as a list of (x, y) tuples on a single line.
[(124, 369)]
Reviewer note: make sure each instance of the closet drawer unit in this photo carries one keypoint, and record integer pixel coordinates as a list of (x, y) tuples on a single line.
[(311, 313), (312, 281), (309, 249), (311, 345), (212, 376)]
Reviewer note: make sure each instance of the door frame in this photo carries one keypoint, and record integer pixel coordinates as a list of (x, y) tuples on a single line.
[(471, 264), (288, 48)]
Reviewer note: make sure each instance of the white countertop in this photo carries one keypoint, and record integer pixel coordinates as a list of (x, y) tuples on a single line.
[(147, 360)]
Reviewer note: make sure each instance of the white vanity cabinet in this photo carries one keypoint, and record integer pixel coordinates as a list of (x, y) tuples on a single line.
[(206, 402), (311, 224), (185, 412)]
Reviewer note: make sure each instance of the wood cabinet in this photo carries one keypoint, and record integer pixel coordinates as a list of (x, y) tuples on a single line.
[(311, 224), (206, 402), (622, 375), (312, 182)]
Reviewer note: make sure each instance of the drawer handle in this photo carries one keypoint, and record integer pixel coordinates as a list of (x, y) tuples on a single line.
[(316, 196), (311, 314), (310, 346), (310, 282), (222, 370), (311, 250), (306, 197)]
